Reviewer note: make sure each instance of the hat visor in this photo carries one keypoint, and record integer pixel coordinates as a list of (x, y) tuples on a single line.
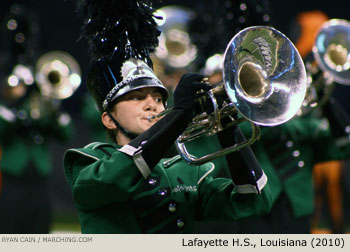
[(138, 84)]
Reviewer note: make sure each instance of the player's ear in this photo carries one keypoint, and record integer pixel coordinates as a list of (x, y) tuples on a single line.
[(107, 121)]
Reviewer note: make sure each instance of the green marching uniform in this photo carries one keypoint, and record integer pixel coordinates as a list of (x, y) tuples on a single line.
[(112, 196), (288, 153), (26, 166), (132, 187), (24, 140)]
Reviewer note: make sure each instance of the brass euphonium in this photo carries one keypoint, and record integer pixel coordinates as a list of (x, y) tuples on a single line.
[(57, 75), (264, 83), (175, 49), (332, 49), (332, 63)]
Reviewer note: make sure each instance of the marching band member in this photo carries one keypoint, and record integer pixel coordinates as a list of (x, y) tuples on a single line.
[(130, 185)]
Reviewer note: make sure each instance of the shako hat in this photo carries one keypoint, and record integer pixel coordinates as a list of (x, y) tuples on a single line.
[(121, 34)]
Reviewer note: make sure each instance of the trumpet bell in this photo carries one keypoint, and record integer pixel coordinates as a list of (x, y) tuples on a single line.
[(265, 83), (332, 50), (264, 75), (58, 75)]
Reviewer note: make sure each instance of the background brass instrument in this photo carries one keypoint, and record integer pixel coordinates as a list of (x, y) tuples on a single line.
[(58, 75), (175, 49), (332, 63), (332, 50), (264, 84)]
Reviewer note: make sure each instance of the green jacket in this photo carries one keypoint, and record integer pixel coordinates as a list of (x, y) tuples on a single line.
[(113, 197), (25, 140), (288, 152)]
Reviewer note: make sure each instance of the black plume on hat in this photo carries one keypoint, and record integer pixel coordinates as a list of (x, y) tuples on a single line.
[(123, 27), (118, 31)]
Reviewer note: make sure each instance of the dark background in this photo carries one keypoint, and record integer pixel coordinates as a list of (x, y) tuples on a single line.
[(60, 26), (60, 30)]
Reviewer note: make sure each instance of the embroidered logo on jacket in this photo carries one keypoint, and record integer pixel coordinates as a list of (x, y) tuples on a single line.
[(184, 188)]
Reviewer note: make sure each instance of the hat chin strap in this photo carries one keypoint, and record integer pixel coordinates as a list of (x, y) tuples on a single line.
[(122, 129)]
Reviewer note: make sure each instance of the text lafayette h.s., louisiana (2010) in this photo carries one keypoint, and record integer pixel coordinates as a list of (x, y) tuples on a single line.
[(265, 242)]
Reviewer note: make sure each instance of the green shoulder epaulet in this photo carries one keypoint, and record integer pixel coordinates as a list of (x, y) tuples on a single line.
[(88, 154), (93, 151)]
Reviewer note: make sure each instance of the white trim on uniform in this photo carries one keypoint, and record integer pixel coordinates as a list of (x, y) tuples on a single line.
[(244, 189), (129, 150), (141, 164), (93, 143), (207, 173), (83, 153), (138, 159), (262, 181)]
